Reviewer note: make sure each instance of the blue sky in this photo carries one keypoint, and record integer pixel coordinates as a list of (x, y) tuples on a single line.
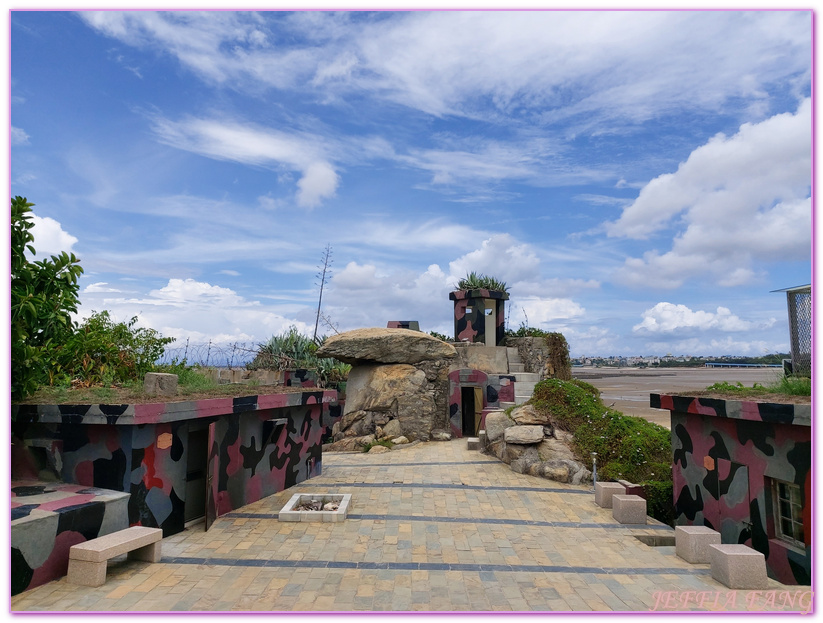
[(641, 180)]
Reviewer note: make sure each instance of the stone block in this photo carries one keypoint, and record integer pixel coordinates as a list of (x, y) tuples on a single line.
[(523, 434), (603, 492), (628, 509), (86, 573), (160, 384), (473, 443), (692, 543), (738, 566)]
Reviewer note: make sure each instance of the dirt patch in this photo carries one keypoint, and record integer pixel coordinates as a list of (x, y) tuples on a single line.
[(127, 395)]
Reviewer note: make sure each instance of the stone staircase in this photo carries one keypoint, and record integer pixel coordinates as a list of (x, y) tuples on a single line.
[(524, 381)]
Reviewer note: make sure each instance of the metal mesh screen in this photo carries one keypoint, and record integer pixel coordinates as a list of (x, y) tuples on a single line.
[(800, 327)]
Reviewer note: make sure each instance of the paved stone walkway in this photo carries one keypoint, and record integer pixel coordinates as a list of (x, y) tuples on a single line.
[(432, 527)]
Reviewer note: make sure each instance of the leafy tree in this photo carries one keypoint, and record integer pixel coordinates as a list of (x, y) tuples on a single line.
[(44, 293)]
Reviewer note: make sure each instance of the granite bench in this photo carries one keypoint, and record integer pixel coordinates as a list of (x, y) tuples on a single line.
[(603, 492), (692, 543), (738, 566), (630, 509), (88, 561)]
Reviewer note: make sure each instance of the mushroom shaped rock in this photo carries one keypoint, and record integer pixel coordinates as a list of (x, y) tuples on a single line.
[(379, 345)]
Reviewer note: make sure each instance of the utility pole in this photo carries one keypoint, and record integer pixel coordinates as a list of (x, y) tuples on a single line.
[(324, 272)]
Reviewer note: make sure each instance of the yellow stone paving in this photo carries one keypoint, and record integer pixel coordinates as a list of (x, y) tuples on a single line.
[(603, 568)]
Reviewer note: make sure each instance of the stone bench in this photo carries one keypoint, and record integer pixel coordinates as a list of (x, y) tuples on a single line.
[(603, 492), (692, 543), (738, 566), (88, 561), (628, 509)]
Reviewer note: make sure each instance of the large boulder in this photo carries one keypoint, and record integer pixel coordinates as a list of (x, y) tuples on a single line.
[(527, 414), (364, 346), (378, 395), (496, 423), (523, 434)]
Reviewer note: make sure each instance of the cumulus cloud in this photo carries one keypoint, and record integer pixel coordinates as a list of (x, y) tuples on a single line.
[(49, 237), (739, 199), (200, 311), (671, 318)]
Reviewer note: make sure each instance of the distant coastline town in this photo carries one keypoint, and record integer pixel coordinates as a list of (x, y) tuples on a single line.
[(677, 361)]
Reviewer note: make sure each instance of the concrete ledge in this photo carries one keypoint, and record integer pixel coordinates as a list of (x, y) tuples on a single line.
[(738, 566), (692, 543), (628, 509), (603, 492), (288, 512)]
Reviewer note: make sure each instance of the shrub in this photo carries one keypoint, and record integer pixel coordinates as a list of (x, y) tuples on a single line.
[(474, 281), (43, 295), (627, 447), (292, 350), (104, 351)]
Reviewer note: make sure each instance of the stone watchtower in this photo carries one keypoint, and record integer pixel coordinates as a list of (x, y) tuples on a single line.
[(479, 316)]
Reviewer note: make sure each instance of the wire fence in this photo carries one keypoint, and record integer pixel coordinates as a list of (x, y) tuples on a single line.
[(219, 355)]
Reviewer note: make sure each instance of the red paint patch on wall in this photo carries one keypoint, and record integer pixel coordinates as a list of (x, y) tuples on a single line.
[(57, 564)]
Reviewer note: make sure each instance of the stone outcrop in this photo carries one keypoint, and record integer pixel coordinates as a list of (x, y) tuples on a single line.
[(363, 346), (398, 384), (529, 444)]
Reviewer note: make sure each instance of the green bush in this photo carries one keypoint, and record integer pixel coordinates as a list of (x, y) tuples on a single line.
[(628, 448), (292, 350), (43, 295), (475, 281), (104, 351)]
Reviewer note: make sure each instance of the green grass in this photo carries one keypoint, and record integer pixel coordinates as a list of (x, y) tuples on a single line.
[(384, 442), (786, 385)]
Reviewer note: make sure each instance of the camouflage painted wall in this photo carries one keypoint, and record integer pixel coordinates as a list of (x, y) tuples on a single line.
[(47, 519), (471, 325), (130, 448), (496, 389), (726, 457)]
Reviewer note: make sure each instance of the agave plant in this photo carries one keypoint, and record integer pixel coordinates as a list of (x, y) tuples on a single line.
[(475, 281)]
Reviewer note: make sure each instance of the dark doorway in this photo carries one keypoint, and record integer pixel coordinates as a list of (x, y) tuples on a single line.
[(196, 460), (467, 402)]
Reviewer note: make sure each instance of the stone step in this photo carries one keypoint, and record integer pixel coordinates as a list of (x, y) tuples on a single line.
[(506, 405), (516, 367), (524, 387), (513, 354), (519, 400), (526, 377)]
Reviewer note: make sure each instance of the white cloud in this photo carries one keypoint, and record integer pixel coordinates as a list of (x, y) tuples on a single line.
[(740, 199), (670, 318), (500, 256), (595, 65), (49, 237), (99, 287), (18, 136), (256, 145), (230, 273), (186, 308)]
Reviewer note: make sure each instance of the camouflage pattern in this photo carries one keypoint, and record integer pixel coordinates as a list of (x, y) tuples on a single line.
[(261, 445), (496, 388), (299, 378), (412, 325), (470, 326), (48, 518), (726, 456)]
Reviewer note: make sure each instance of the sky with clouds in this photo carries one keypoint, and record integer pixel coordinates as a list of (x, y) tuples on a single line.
[(640, 179)]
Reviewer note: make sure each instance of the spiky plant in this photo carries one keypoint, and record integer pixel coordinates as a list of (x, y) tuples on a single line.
[(475, 281)]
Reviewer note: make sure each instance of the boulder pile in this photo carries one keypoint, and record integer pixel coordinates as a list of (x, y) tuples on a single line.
[(529, 443), (398, 385)]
